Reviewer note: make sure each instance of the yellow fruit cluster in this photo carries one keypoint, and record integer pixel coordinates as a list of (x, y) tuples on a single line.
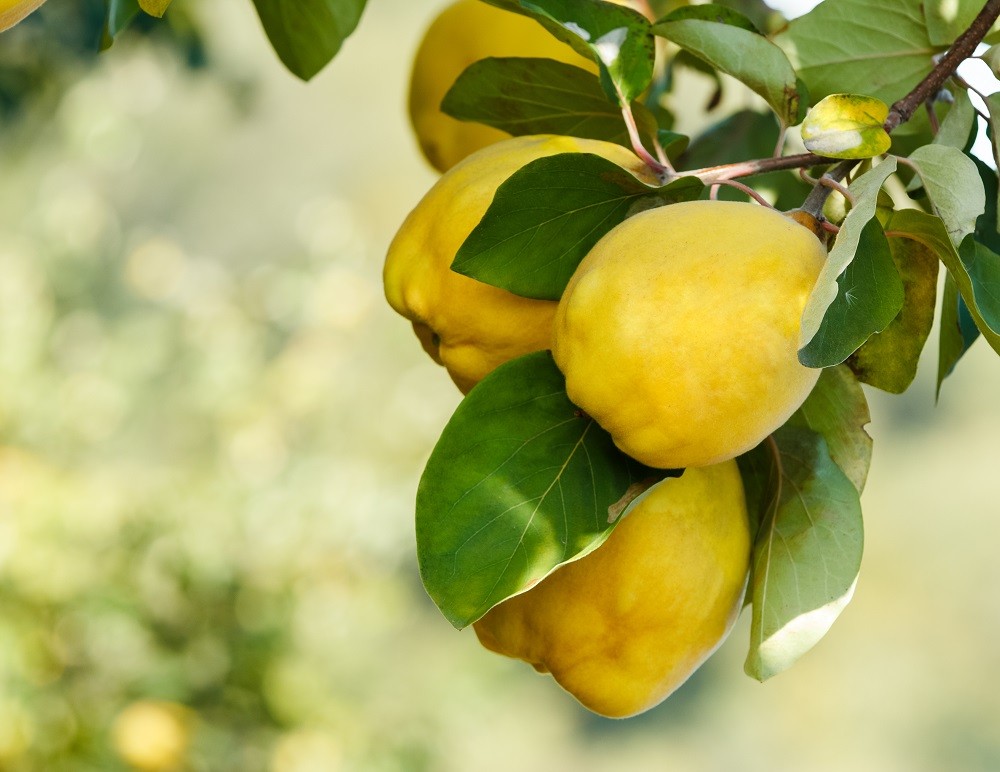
[(678, 334)]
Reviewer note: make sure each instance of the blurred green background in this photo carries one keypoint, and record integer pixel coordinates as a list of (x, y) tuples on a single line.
[(212, 429)]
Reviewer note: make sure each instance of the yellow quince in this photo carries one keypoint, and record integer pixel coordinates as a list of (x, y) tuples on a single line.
[(468, 326), (12, 11), (623, 627), (678, 333), (466, 32)]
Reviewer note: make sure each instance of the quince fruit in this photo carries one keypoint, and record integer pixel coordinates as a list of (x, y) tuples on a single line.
[(468, 326), (12, 11), (678, 333), (465, 32), (624, 626)]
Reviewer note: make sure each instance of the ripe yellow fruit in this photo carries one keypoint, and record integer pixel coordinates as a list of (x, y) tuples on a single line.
[(465, 32), (466, 325), (12, 11), (679, 331), (623, 627)]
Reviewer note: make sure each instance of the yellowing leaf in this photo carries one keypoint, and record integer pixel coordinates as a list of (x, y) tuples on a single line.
[(154, 7), (846, 126)]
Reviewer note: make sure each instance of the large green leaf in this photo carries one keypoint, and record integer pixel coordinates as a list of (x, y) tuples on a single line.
[(865, 190), (837, 409), (549, 214), (307, 34), (856, 46), (618, 39), (807, 554), (981, 283), (953, 185), (520, 482), (541, 96), (889, 359), (747, 56), (947, 19), (869, 296)]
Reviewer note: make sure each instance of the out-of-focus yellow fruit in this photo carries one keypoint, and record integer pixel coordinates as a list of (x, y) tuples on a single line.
[(152, 735), (623, 627), (465, 32), (679, 331), (12, 11), (466, 325)]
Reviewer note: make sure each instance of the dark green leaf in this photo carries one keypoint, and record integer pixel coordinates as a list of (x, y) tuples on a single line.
[(120, 14), (869, 296), (541, 96), (673, 144), (618, 39), (958, 331), (888, 360), (519, 483), (307, 34), (837, 409), (865, 190), (984, 280), (807, 554), (750, 58), (860, 47), (711, 12), (548, 215)]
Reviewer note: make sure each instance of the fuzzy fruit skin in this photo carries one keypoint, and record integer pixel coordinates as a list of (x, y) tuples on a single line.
[(11, 12), (679, 331), (621, 628), (466, 325), (465, 32)]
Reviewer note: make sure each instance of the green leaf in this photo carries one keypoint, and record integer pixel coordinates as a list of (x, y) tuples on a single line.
[(993, 106), (889, 359), (154, 7), (618, 39), (745, 55), (957, 333), (837, 409), (953, 185), (865, 190), (807, 554), (673, 144), (307, 34), (120, 14), (869, 296), (992, 59), (958, 124), (519, 483), (549, 214), (846, 126), (947, 19), (540, 96), (984, 282), (857, 46), (711, 12)]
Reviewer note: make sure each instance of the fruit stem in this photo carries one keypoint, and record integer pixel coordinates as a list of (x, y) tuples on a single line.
[(663, 170)]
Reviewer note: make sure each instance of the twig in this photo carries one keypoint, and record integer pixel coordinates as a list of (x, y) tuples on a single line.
[(745, 189), (663, 170), (900, 112)]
